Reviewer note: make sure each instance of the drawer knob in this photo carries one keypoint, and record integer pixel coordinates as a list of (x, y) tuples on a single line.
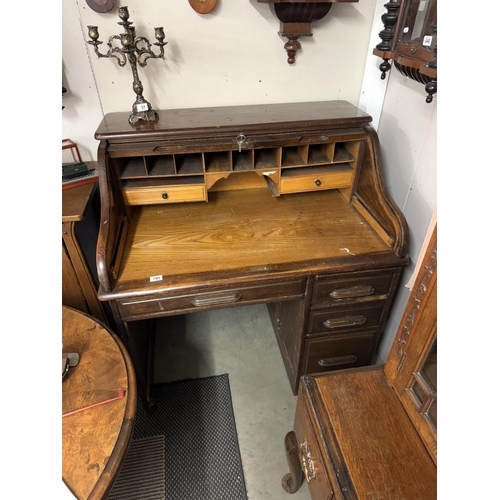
[(317, 182), (343, 322), (338, 360), (164, 196)]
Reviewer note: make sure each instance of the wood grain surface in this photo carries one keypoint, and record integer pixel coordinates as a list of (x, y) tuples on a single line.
[(95, 440), (382, 451), (233, 231)]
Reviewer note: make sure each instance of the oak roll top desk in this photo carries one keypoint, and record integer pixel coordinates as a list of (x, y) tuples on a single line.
[(282, 204)]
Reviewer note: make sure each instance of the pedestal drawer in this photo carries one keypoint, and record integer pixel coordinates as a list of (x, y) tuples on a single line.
[(217, 297), (347, 318), (351, 286), (337, 353), (310, 455)]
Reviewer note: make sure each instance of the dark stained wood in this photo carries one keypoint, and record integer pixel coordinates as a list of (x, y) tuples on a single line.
[(95, 440), (249, 241), (79, 288), (210, 122)]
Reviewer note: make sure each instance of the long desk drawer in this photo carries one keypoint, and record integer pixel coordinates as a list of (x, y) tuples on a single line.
[(217, 297)]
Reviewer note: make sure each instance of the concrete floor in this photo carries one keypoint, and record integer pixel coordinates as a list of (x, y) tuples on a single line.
[(239, 341)]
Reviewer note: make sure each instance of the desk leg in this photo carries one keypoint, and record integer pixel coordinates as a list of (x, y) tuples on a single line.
[(292, 481), (139, 339)]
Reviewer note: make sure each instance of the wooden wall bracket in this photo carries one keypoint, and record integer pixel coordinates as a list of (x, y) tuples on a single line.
[(296, 18)]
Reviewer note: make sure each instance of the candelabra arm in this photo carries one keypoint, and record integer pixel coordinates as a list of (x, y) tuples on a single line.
[(115, 52), (146, 52)]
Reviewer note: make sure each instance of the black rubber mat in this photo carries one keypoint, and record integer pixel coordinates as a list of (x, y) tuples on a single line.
[(201, 452)]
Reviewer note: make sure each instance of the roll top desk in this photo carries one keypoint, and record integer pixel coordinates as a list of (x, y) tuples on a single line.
[(282, 204)]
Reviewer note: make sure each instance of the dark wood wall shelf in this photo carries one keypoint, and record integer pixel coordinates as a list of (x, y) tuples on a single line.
[(296, 18)]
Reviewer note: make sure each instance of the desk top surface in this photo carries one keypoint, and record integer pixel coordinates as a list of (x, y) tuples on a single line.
[(94, 441), (235, 234)]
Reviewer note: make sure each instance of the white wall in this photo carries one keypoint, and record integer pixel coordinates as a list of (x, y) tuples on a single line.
[(228, 57), (408, 138)]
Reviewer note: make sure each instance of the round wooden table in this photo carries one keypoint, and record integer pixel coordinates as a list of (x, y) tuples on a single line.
[(95, 439)]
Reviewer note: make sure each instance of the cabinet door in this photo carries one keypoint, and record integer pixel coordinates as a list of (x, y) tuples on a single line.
[(72, 295), (412, 362)]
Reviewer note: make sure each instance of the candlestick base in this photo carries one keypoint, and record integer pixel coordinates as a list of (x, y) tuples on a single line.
[(148, 116)]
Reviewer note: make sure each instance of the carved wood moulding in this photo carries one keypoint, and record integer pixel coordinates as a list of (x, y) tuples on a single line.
[(296, 18)]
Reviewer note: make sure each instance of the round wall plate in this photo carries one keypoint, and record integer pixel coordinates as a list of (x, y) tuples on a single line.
[(203, 6), (101, 6)]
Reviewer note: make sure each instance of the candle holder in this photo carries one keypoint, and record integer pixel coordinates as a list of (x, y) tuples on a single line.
[(137, 49)]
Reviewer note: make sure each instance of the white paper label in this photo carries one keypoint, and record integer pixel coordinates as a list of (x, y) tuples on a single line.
[(142, 107), (406, 29), (159, 277), (427, 41)]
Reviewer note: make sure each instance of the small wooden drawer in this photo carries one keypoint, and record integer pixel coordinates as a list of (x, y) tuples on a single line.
[(217, 297), (297, 180), (337, 353), (149, 195), (351, 286), (309, 452), (347, 318)]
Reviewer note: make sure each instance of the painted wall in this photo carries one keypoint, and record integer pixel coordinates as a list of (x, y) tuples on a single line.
[(408, 138), (230, 56), (235, 56)]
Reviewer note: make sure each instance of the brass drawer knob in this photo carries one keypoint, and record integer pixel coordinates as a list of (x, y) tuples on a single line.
[(317, 182), (164, 196)]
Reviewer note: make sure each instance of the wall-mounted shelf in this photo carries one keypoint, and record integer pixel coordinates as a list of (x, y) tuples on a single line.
[(409, 39), (296, 18)]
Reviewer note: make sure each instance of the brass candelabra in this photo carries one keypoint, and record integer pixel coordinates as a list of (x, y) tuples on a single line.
[(137, 49)]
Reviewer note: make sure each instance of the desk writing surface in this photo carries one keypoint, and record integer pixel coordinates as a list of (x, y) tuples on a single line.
[(242, 230)]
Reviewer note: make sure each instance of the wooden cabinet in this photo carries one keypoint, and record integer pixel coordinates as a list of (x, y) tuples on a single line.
[(371, 432), (280, 204), (80, 225)]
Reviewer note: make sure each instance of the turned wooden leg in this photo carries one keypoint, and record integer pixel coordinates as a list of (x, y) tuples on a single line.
[(291, 482)]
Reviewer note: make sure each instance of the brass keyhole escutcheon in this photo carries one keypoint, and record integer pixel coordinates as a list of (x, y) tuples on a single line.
[(203, 6)]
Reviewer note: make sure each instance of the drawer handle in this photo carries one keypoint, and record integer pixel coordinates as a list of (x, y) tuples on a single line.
[(219, 299), (347, 321), (313, 138), (353, 291), (167, 149), (164, 196), (317, 182), (339, 360), (307, 462)]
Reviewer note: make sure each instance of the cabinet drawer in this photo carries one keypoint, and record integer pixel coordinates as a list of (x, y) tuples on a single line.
[(337, 353), (334, 288), (347, 318), (165, 304), (164, 194), (315, 179), (310, 457)]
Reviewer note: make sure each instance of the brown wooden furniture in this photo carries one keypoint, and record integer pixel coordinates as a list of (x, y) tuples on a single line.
[(281, 204), (95, 440), (80, 225), (371, 432)]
